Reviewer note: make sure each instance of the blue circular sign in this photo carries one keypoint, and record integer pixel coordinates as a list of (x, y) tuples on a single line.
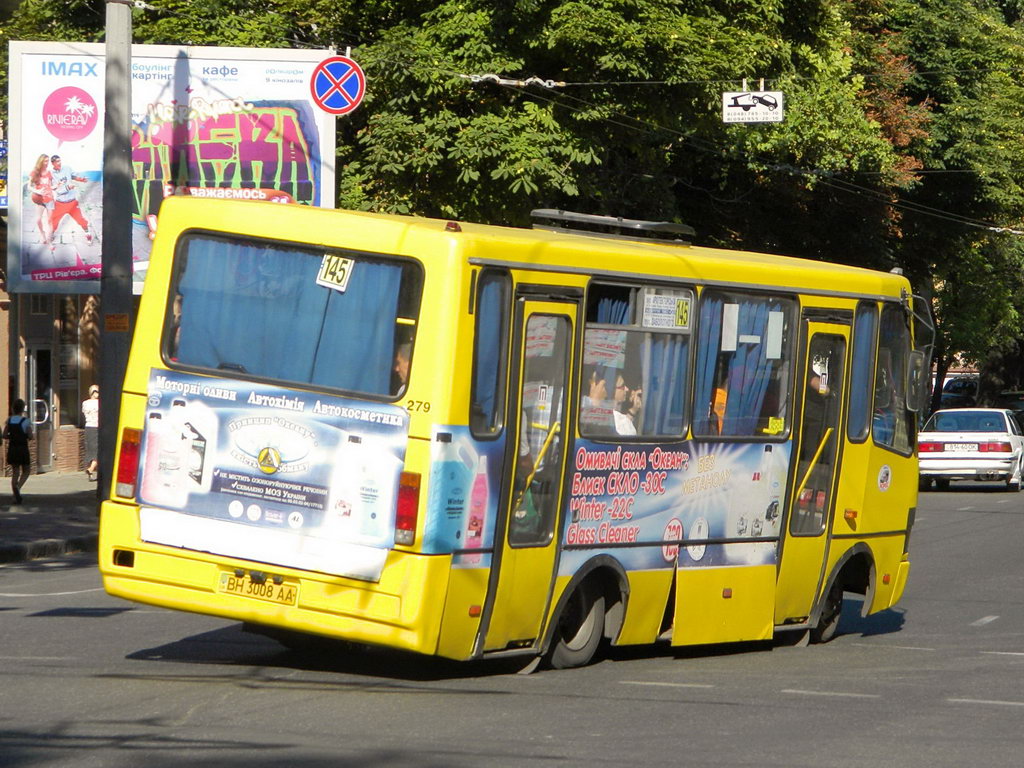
[(337, 85)]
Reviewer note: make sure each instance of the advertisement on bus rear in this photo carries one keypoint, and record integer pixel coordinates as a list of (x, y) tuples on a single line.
[(268, 474), (234, 123)]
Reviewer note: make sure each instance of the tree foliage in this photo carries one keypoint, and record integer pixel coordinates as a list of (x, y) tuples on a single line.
[(900, 144)]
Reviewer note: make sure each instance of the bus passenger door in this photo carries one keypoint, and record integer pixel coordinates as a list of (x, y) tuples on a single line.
[(526, 544), (817, 459)]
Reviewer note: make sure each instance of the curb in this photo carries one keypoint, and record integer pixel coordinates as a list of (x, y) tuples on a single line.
[(33, 550)]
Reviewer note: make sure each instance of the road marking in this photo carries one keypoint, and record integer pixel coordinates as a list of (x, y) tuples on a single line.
[(983, 621), (37, 658), (1004, 653), (965, 509), (667, 685), (987, 701), (49, 594), (833, 693), (893, 647)]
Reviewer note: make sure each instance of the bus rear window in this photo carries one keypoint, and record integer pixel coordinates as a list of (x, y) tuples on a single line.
[(332, 319)]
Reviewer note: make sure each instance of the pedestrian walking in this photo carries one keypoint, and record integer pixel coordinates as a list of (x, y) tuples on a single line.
[(17, 433), (91, 416)]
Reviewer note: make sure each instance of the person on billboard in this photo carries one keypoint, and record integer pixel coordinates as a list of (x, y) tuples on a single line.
[(65, 199), (40, 184)]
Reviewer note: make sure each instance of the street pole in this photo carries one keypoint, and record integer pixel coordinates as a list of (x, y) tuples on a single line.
[(116, 278)]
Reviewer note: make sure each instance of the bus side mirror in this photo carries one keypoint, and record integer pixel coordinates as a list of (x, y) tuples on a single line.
[(916, 389)]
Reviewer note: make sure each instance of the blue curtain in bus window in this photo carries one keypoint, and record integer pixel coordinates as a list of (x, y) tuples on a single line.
[(862, 375), (259, 310), (356, 346), (612, 311), (707, 358), (250, 308), (749, 370), (487, 365), (664, 360)]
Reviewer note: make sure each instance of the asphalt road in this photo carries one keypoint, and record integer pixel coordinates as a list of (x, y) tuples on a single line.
[(90, 680)]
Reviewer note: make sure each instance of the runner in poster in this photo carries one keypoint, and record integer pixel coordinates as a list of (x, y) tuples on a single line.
[(66, 199)]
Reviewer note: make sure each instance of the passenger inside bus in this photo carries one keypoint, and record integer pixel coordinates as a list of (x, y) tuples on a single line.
[(400, 369), (628, 403)]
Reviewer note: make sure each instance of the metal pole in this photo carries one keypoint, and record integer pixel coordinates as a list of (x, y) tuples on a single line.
[(116, 279)]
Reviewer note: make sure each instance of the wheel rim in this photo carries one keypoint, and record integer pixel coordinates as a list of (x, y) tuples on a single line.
[(577, 622)]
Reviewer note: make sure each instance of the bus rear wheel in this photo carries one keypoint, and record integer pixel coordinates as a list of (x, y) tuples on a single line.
[(831, 611), (579, 630)]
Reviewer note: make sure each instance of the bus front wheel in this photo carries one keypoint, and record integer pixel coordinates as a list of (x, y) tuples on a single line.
[(579, 630)]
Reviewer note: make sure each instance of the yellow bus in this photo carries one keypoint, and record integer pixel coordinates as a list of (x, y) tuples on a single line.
[(474, 441)]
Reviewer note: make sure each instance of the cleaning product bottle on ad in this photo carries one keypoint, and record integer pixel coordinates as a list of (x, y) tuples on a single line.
[(201, 437), (449, 489), (478, 500), (775, 483), (339, 517), (149, 487), (367, 485)]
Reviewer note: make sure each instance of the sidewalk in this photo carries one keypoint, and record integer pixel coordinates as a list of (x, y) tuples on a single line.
[(59, 514)]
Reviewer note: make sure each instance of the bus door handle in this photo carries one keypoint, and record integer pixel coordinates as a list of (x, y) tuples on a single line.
[(40, 403), (810, 467), (537, 462)]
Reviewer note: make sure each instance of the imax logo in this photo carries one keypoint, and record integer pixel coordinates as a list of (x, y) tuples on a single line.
[(66, 69)]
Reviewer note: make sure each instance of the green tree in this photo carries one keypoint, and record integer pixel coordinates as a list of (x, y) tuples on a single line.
[(900, 138)]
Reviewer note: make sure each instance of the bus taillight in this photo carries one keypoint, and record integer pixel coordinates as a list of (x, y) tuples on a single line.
[(128, 462), (408, 508)]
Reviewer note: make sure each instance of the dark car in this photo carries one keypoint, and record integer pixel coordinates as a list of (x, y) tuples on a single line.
[(961, 392)]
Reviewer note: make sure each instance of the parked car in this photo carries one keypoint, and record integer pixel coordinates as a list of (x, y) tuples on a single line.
[(971, 444), (960, 392), (1011, 400)]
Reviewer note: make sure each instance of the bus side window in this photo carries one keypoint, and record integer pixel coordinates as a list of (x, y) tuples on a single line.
[(891, 421), (490, 354), (744, 365), (636, 361), (862, 374)]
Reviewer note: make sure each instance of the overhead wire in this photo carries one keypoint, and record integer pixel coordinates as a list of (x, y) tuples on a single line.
[(824, 178)]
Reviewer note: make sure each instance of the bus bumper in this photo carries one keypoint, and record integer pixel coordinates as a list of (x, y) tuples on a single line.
[(400, 611)]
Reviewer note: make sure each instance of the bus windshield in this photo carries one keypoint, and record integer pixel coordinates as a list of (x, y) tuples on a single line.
[(294, 314)]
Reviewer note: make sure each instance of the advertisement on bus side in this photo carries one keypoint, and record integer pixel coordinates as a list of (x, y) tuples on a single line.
[(641, 502), (269, 474), (725, 497)]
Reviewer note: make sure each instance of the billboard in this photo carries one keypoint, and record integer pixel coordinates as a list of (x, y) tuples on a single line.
[(212, 122)]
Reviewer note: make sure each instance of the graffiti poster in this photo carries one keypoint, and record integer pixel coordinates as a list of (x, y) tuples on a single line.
[(232, 123), (269, 474)]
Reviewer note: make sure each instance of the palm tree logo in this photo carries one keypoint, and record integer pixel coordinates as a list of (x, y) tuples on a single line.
[(75, 105)]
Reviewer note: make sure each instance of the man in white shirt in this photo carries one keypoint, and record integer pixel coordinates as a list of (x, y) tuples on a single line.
[(65, 202)]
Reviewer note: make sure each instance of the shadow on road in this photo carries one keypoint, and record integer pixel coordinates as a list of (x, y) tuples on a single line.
[(236, 647)]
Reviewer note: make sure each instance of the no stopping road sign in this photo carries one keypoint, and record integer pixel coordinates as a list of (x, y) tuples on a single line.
[(337, 85)]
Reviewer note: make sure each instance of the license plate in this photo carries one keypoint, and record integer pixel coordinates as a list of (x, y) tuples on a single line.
[(284, 593), (962, 447)]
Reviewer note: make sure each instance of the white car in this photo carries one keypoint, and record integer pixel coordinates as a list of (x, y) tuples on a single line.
[(971, 444)]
